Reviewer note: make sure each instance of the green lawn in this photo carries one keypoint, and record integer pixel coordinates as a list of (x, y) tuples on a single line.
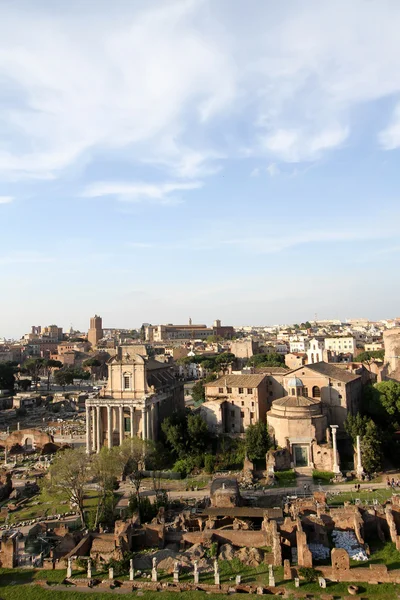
[(381, 495), (45, 504), (18, 584)]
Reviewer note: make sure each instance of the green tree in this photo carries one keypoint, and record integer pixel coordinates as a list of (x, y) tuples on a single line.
[(198, 391), (371, 448), (356, 425), (49, 365), (273, 359), (70, 472), (369, 356), (8, 370), (33, 367), (257, 441), (186, 434), (106, 467), (198, 435)]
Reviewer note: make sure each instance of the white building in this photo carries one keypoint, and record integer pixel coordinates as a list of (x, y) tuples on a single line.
[(341, 344)]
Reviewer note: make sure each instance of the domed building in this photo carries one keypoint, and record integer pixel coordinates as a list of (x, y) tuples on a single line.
[(297, 423)]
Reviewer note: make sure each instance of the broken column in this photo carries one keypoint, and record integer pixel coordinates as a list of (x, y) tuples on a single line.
[(271, 578), (69, 568), (89, 569), (176, 572), (131, 570), (216, 573), (196, 572), (335, 466), (154, 570), (359, 470), (111, 573)]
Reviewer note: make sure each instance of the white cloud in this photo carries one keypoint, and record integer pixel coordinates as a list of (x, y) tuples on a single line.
[(140, 191), (273, 170), (6, 199), (167, 83), (255, 172), (25, 258), (292, 145), (389, 138)]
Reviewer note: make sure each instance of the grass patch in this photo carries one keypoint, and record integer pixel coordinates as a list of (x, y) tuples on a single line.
[(324, 476), (285, 478), (364, 496)]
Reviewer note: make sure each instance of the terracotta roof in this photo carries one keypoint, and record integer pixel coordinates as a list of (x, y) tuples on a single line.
[(271, 370), (332, 371), (249, 381), (295, 401)]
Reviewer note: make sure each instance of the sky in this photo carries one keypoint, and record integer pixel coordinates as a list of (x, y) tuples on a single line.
[(190, 158)]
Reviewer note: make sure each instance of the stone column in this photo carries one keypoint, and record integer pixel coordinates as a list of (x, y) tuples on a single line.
[(359, 470), (98, 428), (148, 416), (93, 428), (109, 426), (132, 415), (88, 429), (144, 423), (335, 466), (121, 425)]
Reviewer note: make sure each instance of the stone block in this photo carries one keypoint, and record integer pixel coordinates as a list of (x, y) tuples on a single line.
[(340, 559)]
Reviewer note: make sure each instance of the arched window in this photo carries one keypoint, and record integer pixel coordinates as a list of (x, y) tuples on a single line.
[(293, 392), (312, 358), (316, 392)]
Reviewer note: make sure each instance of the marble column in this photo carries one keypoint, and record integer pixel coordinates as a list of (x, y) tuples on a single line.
[(109, 426), (148, 417), (132, 413), (121, 425), (359, 470), (98, 428), (88, 429), (94, 428), (144, 423), (335, 467)]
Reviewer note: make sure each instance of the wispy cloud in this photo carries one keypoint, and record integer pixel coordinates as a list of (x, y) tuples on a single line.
[(25, 258), (167, 83), (6, 199), (163, 193), (389, 138)]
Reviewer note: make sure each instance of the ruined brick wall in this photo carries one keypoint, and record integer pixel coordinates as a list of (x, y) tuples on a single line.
[(8, 555), (304, 556), (39, 438)]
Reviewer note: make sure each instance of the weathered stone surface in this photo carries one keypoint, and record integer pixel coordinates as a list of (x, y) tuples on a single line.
[(340, 559)]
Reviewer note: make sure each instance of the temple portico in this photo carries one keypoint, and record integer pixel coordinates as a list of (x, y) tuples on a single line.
[(109, 422), (140, 393)]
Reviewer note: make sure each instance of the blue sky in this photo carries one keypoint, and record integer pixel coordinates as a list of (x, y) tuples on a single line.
[(175, 159)]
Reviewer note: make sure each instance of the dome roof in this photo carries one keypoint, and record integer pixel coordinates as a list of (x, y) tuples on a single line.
[(295, 407), (295, 382)]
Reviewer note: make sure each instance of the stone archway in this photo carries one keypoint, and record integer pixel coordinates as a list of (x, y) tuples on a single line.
[(28, 443)]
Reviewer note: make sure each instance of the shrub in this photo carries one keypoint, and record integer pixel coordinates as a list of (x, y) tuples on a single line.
[(209, 463), (323, 475), (285, 476), (309, 574)]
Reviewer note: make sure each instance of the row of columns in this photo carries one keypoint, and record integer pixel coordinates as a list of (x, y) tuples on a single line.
[(94, 428)]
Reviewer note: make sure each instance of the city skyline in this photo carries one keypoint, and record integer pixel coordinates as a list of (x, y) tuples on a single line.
[(198, 159)]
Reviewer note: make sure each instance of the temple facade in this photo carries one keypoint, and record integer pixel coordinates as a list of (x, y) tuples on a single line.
[(140, 393)]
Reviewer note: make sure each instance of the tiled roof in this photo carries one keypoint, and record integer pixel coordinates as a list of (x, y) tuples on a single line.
[(295, 401), (249, 381), (332, 371)]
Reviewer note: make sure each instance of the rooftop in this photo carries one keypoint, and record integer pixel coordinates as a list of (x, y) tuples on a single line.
[(250, 381), (291, 401), (332, 371)]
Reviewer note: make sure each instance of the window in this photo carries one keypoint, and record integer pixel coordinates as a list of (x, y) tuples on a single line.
[(242, 415), (340, 397), (316, 392), (242, 403), (251, 416), (249, 390), (305, 391), (293, 392), (220, 390), (127, 382), (229, 390), (339, 384), (241, 390)]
